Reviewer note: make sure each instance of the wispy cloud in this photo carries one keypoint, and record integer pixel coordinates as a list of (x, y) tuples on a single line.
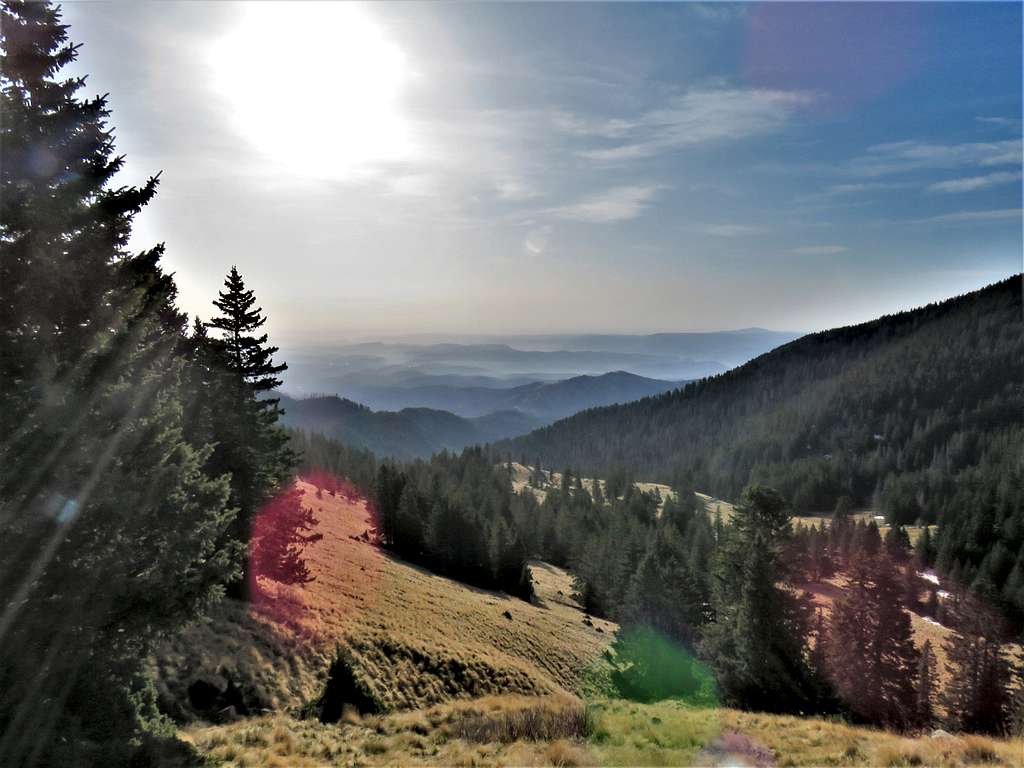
[(718, 13), (1007, 122), (615, 204), (820, 250), (851, 189), (536, 242), (967, 216), (972, 183), (904, 156), (514, 190), (733, 230), (697, 117)]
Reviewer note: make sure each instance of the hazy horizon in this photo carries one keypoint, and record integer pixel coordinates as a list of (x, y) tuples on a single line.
[(522, 169)]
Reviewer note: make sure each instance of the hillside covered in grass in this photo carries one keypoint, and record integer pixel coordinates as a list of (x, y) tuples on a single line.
[(561, 731), (408, 637)]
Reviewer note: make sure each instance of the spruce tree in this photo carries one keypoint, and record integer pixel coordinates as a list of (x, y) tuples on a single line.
[(250, 445), (897, 544), (850, 632), (872, 658), (924, 553), (113, 531), (893, 647), (977, 697), (925, 696), (758, 640)]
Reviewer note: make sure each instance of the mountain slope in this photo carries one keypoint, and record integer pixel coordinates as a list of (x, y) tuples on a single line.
[(546, 401), (409, 637), (406, 434), (866, 410)]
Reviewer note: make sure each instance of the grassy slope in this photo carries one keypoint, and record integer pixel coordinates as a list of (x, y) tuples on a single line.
[(622, 733), (416, 638)]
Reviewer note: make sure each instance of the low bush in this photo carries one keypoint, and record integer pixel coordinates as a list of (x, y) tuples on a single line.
[(543, 722)]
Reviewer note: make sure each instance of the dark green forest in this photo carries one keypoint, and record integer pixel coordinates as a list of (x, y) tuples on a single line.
[(918, 414)]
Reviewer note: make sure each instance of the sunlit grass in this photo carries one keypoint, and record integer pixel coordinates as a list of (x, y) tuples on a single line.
[(616, 732)]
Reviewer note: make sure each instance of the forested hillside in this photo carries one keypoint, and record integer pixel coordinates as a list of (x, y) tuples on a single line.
[(918, 413), (406, 434)]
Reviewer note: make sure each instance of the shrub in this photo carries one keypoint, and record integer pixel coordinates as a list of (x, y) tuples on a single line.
[(539, 723)]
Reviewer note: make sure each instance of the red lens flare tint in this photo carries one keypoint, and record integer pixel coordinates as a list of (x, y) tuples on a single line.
[(293, 579)]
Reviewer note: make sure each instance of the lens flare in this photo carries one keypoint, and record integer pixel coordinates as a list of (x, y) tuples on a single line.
[(315, 87)]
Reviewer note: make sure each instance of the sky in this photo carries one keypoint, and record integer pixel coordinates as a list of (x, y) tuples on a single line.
[(398, 168)]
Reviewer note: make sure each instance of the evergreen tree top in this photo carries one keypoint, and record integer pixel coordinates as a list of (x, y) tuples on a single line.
[(245, 354)]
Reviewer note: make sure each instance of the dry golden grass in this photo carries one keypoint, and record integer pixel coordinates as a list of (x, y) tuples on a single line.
[(433, 736), (805, 741), (622, 733), (414, 638)]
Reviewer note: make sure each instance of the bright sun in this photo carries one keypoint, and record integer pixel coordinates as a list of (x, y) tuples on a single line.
[(316, 86)]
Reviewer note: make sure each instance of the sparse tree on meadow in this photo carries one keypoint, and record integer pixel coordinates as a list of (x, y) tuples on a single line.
[(925, 698)]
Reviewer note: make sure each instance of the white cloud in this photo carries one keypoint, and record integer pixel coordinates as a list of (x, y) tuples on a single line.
[(718, 13), (959, 216), (536, 242), (903, 156), (820, 250), (972, 183), (514, 190), (850, 189), (733, 230), (1002, 121), (697, 117), (615, 204)]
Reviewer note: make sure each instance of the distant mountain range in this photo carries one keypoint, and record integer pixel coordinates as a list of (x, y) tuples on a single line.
[(407, 434), (425, 372), (499, 413), (542, 400)]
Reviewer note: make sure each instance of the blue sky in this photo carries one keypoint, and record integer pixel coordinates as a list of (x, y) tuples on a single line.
[(528, 168)]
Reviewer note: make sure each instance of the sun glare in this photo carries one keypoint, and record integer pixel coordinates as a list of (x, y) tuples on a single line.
[(315, 86)]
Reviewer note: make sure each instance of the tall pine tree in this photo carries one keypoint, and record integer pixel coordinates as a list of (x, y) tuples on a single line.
[(977, 696), (758, 640), (250, 445), (113, 531)]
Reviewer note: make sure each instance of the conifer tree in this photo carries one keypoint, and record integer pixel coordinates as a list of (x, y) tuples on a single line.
[(250, 445), (758, 641), (924, 553), (849, 642), (976, 697), (843, 508), (897, 544), (113, 532), (925, 697), (894, 653), (872, 658)]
